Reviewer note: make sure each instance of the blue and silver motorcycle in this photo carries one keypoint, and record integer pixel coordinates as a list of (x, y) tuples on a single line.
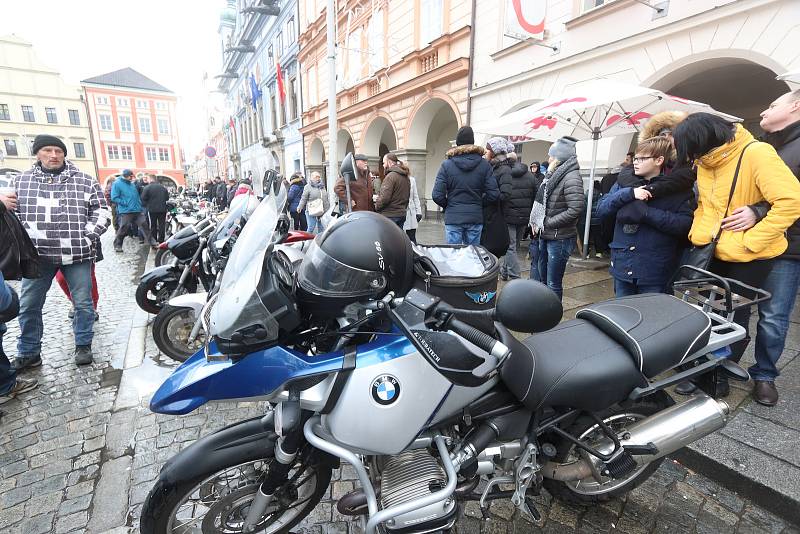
[(428, 410)]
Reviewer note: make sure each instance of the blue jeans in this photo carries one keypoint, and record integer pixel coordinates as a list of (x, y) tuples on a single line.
[(399, 221), (773, 318), (549, 261), (463, 234), (32, 298), (314, 224), (510, 266), (626, 289), (8, 376)]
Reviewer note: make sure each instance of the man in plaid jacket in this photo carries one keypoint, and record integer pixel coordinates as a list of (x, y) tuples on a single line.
[(64, 212)]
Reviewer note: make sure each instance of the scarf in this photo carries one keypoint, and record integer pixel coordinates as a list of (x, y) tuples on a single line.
[(553, 177)]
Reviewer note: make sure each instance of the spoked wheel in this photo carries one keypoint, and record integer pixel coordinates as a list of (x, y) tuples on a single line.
[(171, 330), (219, 503), (153, 295), (164, 256), (590, 490)]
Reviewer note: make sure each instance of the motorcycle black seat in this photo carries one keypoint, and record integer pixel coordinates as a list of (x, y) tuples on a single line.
[(573, 365), (658, 330)]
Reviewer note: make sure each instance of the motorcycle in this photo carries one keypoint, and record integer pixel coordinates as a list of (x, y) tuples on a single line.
[(430, 411)]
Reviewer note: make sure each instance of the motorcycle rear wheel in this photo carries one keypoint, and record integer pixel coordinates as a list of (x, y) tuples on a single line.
[(164, 256), (218, 502), (589, 490), (153, 295), (171, 330)]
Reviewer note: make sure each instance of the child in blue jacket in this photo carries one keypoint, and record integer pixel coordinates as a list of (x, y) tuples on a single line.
[(649, 231)]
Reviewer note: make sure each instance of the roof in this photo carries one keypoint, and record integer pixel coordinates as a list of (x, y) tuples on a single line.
[(127, 78)]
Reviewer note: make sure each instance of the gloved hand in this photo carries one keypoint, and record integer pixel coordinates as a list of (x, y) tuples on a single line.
[(419, 217)]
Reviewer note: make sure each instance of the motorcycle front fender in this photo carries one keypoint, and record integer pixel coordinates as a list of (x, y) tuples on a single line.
[(195, 301), (162, 273)]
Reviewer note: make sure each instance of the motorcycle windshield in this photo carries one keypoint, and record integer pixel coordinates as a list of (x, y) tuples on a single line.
[(237, 211), (238, 305)]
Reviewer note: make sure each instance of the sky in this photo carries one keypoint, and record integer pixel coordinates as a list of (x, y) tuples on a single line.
[(173, 42)]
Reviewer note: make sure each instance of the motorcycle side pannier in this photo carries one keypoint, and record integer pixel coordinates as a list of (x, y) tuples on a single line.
[(464, 276)]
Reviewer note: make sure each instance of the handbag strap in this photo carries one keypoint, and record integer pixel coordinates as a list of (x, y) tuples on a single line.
[(733, 187)]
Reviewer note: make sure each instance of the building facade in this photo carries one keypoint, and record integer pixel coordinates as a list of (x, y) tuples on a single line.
[(134, 126), (725, 53), (259, 40), (35, 100), (402, 79)]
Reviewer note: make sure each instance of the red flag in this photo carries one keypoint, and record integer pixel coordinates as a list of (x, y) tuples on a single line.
[(232, 125), (281, 88)]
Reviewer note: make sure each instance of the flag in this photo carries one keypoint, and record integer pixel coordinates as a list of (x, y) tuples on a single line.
[(281, 88), (231, 123), (255, 93)]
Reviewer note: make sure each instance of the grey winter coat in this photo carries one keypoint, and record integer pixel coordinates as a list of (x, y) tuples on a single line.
[(311, 193), (565, 200)]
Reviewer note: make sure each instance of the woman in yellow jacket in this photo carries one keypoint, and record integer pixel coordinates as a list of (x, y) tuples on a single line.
[(715, 145)]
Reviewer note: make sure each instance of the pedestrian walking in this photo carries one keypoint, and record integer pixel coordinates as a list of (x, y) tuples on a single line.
[(230, 191), (392, 201), (463, 184), (649, 232), (413, 212), (720, 148), (129, 208), (516, 211), (294, 196), (154, 201), (314, 201), (361, 191), (781, 122), (64, 212), (220, 194), (558, 206), (112, 206)]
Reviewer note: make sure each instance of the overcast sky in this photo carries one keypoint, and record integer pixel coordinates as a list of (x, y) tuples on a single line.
[(172, 42)]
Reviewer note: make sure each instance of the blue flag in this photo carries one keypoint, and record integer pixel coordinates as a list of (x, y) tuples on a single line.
[(255, 93)]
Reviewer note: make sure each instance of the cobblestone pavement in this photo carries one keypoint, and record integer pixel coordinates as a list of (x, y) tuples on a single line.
[(81, 453)]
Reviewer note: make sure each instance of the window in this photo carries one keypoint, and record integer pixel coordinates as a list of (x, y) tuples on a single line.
[(144, 125), (125, 123), (27, 114), (279, 44), (272, 113), (74, 117), (354, 56), (163, 154), (431, 21), (80, 151), (123, 103), (150, 153), (4, 114), (591, 4), (141, 104), (102, 100), (271, 56), (376, 40), (291, 99), (11, 147), (113, 151), (51, 115), (126, 152), (161, 105), (312, 86), (105, 122), (290, 33), (163, 126)]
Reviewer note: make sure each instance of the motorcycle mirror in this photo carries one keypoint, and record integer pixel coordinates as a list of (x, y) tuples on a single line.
[(348, 167), (528, 306)]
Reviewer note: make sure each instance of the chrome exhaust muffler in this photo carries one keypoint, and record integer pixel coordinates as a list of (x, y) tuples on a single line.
[(669, 430)]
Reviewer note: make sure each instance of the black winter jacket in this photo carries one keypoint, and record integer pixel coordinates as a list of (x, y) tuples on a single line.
[(787, 143), (565, 200), (464, 184), (155, 197), (517, 207), (18, 257)]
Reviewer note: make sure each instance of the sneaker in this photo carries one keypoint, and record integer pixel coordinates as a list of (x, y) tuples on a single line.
[(685, 388), (20, 386), (25, 361), (83, 355)]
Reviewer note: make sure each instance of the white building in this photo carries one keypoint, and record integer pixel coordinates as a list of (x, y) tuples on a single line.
[(725, 53)]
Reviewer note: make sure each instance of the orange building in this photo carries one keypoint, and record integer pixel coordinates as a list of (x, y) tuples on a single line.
[(134, 126)]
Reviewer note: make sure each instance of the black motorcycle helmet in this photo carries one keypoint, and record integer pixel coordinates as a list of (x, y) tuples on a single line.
[(361, 256)]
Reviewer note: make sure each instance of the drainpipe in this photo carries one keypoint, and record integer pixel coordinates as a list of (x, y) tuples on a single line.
[(333, 171), (85, 101), (471, 60)]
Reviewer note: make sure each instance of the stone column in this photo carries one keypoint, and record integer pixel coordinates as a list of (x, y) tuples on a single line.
[(416, 160)]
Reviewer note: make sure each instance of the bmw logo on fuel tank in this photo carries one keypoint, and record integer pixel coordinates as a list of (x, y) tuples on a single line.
[(385, 390)]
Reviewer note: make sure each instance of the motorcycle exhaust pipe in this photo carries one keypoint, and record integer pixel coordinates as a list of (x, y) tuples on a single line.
[(669, 430)]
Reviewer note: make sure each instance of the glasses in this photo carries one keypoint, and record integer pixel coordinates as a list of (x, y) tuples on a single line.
[(638, 159)]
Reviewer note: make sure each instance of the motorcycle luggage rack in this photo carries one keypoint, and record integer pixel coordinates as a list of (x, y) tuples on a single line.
[(715, 294)]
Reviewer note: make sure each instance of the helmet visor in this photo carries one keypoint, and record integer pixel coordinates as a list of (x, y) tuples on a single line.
[(323, 275)]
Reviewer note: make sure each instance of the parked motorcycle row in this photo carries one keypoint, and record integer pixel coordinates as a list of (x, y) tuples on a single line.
[(433, 405)]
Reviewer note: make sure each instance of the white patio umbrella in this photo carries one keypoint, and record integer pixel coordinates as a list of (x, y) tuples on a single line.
[(595, 109), (792, 77)]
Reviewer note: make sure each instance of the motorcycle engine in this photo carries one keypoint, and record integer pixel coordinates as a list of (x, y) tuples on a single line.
[(411, 475)]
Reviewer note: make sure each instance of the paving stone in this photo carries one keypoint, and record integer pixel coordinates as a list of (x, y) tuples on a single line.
[(75, 505), (82, 488), (38, 525), (76, 521), (42, 504)]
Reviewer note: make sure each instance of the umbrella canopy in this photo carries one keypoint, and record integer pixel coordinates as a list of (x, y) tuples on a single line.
[(597, 108), (793, 76)]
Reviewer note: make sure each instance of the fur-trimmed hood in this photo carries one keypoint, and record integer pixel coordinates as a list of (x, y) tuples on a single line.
[(465, 149), (659, 121)]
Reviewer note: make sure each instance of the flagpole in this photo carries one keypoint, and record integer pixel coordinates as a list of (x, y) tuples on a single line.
[(333, 172)]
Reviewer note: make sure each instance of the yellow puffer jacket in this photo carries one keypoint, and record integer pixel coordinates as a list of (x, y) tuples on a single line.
[(763, 176)]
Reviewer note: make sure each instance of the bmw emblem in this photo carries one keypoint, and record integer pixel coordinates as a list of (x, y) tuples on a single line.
[(385, 390)]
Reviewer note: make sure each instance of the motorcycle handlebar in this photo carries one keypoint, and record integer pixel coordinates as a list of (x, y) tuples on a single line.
[(480, 339)]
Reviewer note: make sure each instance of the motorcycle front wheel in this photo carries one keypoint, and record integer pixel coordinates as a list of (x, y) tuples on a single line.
[(164, 256), (171, 330), (218, 502), (152, 295)]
